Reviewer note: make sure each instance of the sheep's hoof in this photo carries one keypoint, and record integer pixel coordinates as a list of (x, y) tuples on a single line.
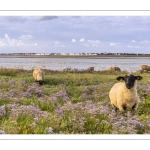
[(116, 114), (124, 114), (116, 110), (133, 112)]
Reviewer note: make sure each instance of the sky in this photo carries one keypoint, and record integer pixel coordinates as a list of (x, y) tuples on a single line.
[(75, 34)]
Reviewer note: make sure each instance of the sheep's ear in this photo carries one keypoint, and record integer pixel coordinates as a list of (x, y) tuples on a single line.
[(120, 78), (138, 77)]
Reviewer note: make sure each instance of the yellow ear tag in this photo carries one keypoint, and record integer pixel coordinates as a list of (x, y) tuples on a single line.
[(121, 80)]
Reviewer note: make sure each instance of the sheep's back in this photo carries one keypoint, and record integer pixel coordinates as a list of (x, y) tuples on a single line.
[(117, 69), (113, 94), (114, 69), (90, 69), (143, 67), (38, 74)]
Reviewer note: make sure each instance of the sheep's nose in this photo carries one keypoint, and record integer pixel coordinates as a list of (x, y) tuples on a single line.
[(128, 86)]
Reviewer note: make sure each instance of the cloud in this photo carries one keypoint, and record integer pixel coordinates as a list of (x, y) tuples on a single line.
[(92, 31), (145, 42), (73, 40), (97, 41), (116, 44), (86, 45), (20, 19), (133, 41), (7, 38), (137, 47), (112, 44), (75, 17), (26, 37), (8, 42), (11, 42), (58, 44), (43, 18), (2, 44), (82, 40), (92, 43), (35, 44)]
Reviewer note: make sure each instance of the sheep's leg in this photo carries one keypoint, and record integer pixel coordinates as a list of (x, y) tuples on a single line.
[(123, 109), (115, 108), (134, 107)]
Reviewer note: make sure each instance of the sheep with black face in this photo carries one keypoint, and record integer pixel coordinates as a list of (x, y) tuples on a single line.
[(117, 69), (124, 95), (38, 75)]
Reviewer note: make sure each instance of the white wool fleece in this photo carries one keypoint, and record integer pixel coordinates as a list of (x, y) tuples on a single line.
[(38, 74), (119, 95)]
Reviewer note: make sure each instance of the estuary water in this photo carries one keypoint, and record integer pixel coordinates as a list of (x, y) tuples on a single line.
[(99, 63)]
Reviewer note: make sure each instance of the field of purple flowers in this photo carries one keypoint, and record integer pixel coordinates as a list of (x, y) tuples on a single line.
[(69, 102)]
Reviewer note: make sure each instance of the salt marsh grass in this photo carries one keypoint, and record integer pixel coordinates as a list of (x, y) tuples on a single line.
[(69, 102)]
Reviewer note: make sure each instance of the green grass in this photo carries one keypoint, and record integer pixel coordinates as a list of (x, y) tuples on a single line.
[(68, 103)]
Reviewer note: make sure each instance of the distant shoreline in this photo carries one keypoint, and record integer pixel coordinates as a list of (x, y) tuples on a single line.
[(76, 56)]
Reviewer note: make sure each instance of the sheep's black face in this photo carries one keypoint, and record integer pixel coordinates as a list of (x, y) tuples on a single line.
[(40, 82), (129, 80)]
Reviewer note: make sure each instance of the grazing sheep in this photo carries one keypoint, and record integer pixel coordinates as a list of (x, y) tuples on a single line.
[(38, 75), (145, 67), (90, 69), (114, 69), (124, 95)]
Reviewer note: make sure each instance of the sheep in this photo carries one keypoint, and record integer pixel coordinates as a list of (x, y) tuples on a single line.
[(114, 69), (145, 67), (90, 69), (38, 75), (124, 95)]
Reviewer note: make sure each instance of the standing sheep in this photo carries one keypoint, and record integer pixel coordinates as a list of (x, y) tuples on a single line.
[(38, 75), (145, 67), (114, 69), (124, 95), (90, 69)]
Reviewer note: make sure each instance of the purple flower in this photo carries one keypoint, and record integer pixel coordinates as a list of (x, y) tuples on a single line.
[(36, 119), (29, 110), (2, 132), (60, 95), (148, 123), (50, 130), (2, 111), (136, 124), (27, 94)]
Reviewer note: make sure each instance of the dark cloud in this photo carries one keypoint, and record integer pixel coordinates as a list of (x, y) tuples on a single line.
[(76, 16), (43, 18), (16, 18)]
